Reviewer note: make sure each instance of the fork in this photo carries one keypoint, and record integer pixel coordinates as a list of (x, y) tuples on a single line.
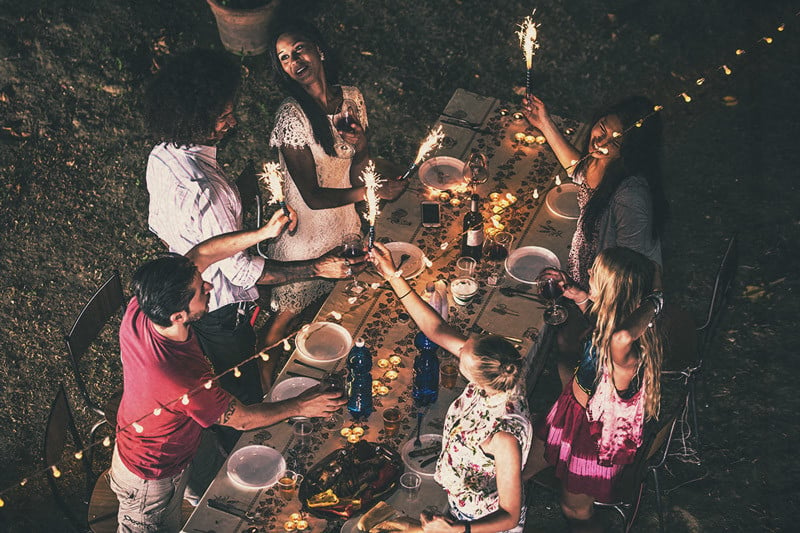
[(418, 441)]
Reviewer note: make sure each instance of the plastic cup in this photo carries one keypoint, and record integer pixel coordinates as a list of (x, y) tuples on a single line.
[(464, 286), (449, 374), (302, 431), (410, 482), (391, 421)]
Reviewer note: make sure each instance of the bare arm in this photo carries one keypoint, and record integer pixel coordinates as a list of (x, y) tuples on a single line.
[(301, 167), (310, 404), (625, 359), (223, 246), (428, 320), (329, 266), (538, 116)]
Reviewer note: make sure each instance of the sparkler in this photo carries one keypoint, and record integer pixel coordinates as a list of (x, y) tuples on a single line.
[(372, 181), (527, 40), (272, 177), (431, 142)]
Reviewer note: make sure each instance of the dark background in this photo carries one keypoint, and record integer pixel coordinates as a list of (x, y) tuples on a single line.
[(73, 202)]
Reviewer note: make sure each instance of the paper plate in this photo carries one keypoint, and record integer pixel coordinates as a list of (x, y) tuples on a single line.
[(563, 201), (324, 342), (256, 466), (526, 263), (414, 265), (290, 388), (413, 463), (442, 172)]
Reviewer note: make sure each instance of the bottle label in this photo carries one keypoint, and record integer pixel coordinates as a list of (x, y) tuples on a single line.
[(474, 237)]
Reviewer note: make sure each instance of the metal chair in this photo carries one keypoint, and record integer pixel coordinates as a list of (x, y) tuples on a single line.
[(705, 333), (59, 432), (649, 460), (107, 301)]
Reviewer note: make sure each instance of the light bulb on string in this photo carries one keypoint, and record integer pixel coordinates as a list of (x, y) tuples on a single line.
[(107, 442), (536, 194), (138, 427), (658, 108), (23, 482), (185, 399), (767, 40), (2, 502), (286, 346), (264, 356), (56, 471), (700, 81), (686, 97), (782, 27), (157, 411), (616, 134), (639, 123), (740, 51), (726, 70), (208, 384), (444, 245), (558, 180), (236, 372), (79, 454)]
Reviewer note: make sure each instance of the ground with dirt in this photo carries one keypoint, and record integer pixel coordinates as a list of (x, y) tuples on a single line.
[(73, 201)]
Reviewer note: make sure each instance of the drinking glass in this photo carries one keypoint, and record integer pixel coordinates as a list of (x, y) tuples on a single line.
[(549, 289), (288, 484), (464, 286), (345, 121), (475, 171), (448, 373), (391, 421), (497, 246), (354, 247), (410, 482)]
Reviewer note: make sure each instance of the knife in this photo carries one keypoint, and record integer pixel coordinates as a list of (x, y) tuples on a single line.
[(231, 510)]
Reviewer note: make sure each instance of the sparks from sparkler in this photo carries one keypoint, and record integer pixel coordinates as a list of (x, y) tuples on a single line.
[(528, 34), (372, 181), (431, 142), (272, 178)]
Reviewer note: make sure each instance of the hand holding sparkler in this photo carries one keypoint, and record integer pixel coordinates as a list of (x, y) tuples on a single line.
[(527, 40), (272, 177), (372, 181), (431, 143)]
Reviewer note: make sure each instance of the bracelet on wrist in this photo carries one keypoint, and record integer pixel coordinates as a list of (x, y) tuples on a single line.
[(582, 301), (406, 294), (656, 298)]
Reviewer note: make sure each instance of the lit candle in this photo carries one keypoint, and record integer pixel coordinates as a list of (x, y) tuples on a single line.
[(302, 525), (295, 517), (494, 196), (353, 438), (289, 525), (503, 203), (519, 136), (455, 202), (395, 360), (497, 209), (530, 139), (540, 139), (358, 431), (383, 363), (496, 217), (444, 196), (391, 375), (511, 198), (346, 432), (383, 390)]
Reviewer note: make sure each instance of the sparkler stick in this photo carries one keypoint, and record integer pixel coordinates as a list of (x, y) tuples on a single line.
[(272, 177), (372, 181), (431, 142), (527, 40)]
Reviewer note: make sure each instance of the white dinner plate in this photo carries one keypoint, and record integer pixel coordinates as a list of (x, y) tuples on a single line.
[(256, 466), (291, 388), (414, 265), (324, 342), (526, 263), (563, 201), (442, 172), (413, 463)]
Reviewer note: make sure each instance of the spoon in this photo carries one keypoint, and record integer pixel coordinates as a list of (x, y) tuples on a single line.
[(403, 259)]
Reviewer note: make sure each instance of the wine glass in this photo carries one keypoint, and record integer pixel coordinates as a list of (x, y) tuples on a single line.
[(345, 121), (475, 171), (353, 247), (550, 289)]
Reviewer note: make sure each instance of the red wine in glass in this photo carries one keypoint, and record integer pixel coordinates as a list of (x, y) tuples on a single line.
[(494, 251), (550, 289), (346, 123), (353, 247)]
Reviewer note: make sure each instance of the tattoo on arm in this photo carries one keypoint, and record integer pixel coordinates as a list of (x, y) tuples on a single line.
[(228, 412)]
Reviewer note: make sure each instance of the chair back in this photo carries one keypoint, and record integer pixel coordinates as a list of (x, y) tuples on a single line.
[(719, 296), (61, 429), (106, 301)]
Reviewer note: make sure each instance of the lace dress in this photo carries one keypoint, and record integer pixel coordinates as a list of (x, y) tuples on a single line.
[(584, 247), (318, 230), (463, 470)]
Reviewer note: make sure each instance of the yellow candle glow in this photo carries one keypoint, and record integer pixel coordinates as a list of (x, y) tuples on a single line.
[(345, 432), (503, 203), (353, 438), (494, 196), (496, 217), (302, 525), (530, 139), (455, 202), (444, 196), (519, 136), (289, 525), (358, 431), (391, 375), (540, 139), (395, 360), (383, 390), (383, 363), (295, 517), (497, 209)]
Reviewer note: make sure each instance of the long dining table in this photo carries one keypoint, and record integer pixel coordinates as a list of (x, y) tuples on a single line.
[(517, 165)]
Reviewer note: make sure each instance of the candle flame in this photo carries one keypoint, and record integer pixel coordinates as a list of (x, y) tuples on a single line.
[(372, 181), (431, 142), (527, 39), (272, 178)]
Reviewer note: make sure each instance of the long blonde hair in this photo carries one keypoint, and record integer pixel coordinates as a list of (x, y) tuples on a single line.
[(622, 278)]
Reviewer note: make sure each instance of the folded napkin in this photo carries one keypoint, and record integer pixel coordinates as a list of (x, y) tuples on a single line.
[(400, 523)]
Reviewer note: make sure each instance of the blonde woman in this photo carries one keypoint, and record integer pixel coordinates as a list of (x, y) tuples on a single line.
[(595, 426), (489, 421)]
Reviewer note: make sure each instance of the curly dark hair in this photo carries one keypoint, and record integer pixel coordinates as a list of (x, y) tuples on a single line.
[(316, 115), (163, 287), (188, 95), (640, 155)]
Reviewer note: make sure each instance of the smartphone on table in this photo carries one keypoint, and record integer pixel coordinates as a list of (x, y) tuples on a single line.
[(431, 214)]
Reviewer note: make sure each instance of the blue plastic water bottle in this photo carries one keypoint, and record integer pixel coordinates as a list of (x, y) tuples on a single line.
[(359, 381), (425, 388)]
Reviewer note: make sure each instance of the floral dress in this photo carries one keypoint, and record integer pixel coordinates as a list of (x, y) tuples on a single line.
[(320, 230), (584, 247), (465, 472)]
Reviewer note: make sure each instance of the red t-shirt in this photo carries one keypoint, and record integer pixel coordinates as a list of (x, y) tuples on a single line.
[(156, 371)]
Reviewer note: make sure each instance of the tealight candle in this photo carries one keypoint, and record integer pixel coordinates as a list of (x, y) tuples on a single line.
[(302, 525), (503, 203), (353, 438), (358, 431), (540, 139), (289, 525), (295, 517), (395, 360), (455, 202), (530, 139), (518, 115), (444, 196), (494, 196), (383, 363), (496, 217), (383, 390), (503, 111), (497, 209), (519, 136), (346, 432), (391, 375)]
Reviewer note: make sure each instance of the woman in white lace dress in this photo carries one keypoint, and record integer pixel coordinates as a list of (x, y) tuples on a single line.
[(322, 164)]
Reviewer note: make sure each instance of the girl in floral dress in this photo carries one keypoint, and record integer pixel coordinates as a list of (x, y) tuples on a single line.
[(487, 431)]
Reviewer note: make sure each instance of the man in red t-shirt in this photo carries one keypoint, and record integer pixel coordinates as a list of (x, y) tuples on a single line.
[(169, 397)]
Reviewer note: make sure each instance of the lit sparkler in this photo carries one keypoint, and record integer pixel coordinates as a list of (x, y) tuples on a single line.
[(527, 40), (372, 181), (431, 142), (272, 177)]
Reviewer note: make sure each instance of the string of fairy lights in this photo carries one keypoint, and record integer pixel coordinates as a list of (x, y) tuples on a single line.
[(527, 34)]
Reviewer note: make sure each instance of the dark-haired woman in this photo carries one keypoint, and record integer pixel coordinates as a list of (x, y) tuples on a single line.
[(322, 164), (487, 430), (620, 194)]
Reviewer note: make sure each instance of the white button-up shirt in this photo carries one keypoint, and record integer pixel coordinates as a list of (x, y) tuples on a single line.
[(191, 200)]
